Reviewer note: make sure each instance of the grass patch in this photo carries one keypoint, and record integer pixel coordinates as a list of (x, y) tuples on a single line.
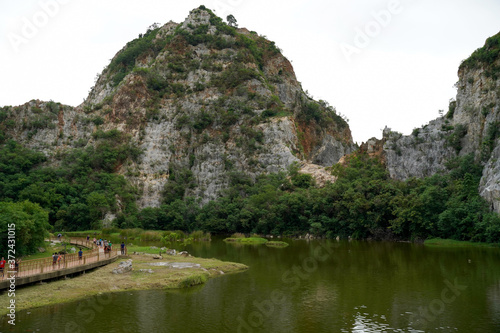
[(143, 249), (277, 244), (246, 240), (101, 280), (50, 248), (455, 243), (194, 280)]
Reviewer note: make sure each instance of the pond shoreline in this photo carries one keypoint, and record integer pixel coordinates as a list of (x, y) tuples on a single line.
[(102, 280)]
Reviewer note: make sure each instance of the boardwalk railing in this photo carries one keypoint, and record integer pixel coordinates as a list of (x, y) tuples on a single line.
[(44, 265)]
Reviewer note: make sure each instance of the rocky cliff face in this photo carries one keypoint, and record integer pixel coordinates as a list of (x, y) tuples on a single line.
[(471, 126), (205, 102)]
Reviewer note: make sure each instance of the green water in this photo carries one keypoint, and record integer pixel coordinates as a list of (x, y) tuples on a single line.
[(317, 286)]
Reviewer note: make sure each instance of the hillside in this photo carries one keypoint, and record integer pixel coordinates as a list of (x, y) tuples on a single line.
[(469, 126), (183, 111)]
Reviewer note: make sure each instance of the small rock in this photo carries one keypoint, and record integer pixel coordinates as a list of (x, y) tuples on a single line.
[(153, 248), (184, 254), (41, 250), (157, 257), (150, 271), (123, 267)]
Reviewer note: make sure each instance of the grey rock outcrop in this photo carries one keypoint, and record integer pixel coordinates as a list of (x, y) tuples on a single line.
[(198, 100), (123, 267), (471, 126)]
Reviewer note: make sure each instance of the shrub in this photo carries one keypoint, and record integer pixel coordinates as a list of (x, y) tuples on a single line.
[(454, 140), (193, 280)]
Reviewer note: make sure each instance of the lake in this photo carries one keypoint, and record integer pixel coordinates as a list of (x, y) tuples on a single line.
[(310, 286)]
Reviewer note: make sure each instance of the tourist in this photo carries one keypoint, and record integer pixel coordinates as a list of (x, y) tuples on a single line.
[(54, 259), (80, 254), (2, 266), (122, 246), (88, 238), (18, 261), (59, 256)]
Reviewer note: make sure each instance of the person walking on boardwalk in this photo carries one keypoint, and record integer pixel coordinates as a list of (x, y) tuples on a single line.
[(122, 247), (2, 266), (59, 256), (54, 259), (18, 261), (80, 254)]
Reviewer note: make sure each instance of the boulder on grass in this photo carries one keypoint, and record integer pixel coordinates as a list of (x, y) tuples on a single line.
[(123, 267)]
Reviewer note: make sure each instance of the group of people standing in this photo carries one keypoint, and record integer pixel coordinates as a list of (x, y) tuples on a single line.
[(3, 263), (56, 259)]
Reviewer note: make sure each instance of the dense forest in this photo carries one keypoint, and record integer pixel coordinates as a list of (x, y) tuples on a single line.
[(363, 203)]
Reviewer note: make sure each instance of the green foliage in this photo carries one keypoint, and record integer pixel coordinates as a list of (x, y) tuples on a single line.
[(363, 203), (193, 280), (451, 109), (454, 140), (231, 20), (30, 226), (76, 193), (489, 140), (321, 113), (124, 62), (41, 122), (202, 120), (234, 75), (302, 180), (486, 55), (179, 181)]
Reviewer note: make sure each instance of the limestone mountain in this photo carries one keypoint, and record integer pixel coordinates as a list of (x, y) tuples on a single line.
[(191, 107), (470, 126)]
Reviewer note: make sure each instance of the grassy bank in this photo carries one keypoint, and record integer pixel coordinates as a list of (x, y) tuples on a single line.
[(277, 244), (454, 243), (246, 240), (102, 280)]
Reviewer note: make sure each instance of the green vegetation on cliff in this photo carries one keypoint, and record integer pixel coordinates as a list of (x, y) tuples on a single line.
[(486, 57), (80, 191)]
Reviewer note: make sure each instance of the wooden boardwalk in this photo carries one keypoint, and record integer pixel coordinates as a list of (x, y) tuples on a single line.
[(36, 270)]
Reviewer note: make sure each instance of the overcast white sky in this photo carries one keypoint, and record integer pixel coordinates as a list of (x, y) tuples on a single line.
[(398, 72)]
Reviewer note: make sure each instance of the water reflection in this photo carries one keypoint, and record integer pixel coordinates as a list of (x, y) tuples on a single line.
[(355, 287)]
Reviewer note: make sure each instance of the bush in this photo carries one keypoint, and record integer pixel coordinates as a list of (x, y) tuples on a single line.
[(193, 280)]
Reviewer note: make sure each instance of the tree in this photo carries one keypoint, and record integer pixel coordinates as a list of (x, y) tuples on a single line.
[(98, 206), (28, 223), (231, 20)]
